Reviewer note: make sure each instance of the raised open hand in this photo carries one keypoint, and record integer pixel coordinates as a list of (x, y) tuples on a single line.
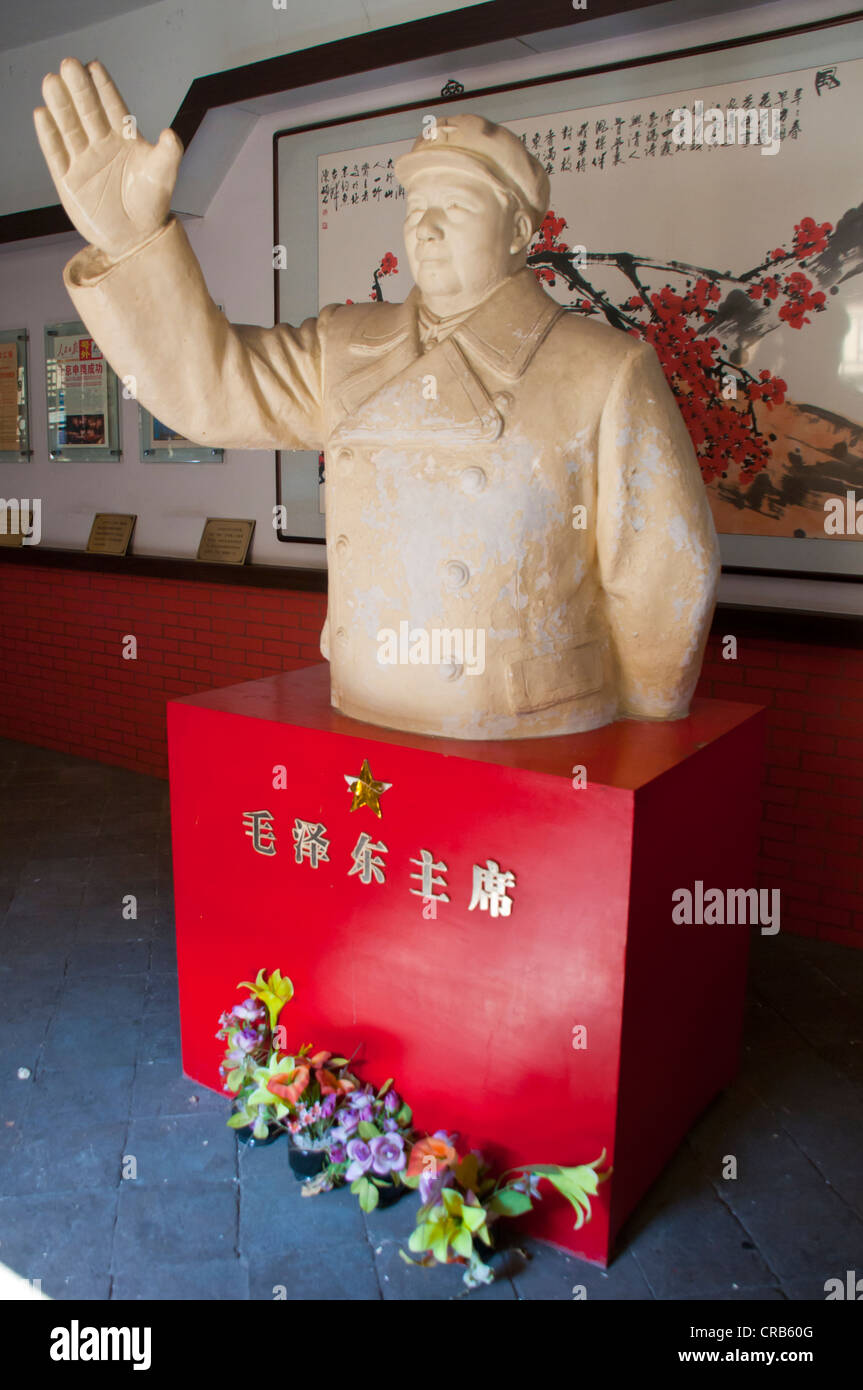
[(114, 185)]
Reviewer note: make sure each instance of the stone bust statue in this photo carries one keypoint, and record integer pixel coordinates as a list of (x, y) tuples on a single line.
[(518, 536)]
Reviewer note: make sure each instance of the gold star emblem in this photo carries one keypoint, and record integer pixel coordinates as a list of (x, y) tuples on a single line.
[(366, 791)]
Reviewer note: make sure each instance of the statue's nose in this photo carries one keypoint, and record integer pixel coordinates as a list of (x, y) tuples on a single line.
[(429, 225)]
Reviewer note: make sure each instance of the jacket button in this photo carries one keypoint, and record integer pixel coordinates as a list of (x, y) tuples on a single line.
[(472, 480), (456, 574), (343, 549), (341, 637), (503, 400)]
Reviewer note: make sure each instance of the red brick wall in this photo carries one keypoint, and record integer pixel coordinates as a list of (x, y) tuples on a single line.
[(812, 797), (65, 685), (63, 680)]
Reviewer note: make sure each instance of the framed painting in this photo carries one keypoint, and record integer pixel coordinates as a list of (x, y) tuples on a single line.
[(708, 204)]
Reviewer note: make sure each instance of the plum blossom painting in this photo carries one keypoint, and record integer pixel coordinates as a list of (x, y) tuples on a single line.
[(738, 260)]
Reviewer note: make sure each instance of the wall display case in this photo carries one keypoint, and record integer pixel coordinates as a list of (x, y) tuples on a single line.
[(161, 444), (82, 394), (14, 396)]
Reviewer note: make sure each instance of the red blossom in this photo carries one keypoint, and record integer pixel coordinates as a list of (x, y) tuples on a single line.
[(389, 264), (809, 237)]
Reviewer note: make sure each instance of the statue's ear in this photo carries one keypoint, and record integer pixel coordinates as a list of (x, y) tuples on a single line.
[(522, 232)]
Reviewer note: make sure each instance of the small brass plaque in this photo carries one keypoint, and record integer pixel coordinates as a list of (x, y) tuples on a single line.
[(225, 541), (110, 533)]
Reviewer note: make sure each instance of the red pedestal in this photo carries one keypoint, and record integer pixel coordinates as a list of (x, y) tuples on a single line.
[(476, 1016)]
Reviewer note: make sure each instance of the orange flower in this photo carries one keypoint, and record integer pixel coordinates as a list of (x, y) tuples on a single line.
[(330, 1083), (291, 1093), (443, 1153)]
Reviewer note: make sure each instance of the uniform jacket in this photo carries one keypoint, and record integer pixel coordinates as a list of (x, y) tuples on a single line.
[(529, 477)]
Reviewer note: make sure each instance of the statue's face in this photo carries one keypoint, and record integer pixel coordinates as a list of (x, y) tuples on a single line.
[(461, 236)]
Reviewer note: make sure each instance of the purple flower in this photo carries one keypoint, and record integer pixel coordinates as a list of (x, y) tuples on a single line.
[(349, 1121), (361, 1157), (392, 1102), (389, 1123), (367, 1113), (338, 1153), (432, 1183), (250, 1009), (388, 1154), (360, 1099), (328, 1105)]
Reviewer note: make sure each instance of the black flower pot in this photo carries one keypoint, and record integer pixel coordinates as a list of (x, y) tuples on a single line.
[(391, 1193), (306, 1163), (246, 1136)]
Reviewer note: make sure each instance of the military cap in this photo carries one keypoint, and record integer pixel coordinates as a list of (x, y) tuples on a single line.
[(459, 140)]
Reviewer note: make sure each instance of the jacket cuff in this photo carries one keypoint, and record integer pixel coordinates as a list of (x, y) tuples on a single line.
[(91, 265)]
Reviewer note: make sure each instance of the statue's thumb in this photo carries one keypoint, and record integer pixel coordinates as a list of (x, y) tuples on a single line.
[(167, 153)]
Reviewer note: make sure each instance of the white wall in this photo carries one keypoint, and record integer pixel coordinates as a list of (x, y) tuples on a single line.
[(155, 53)]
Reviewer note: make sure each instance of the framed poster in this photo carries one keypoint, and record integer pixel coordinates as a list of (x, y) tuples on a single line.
[(14, 397), (161, 444), (708, 204), (83, 418)]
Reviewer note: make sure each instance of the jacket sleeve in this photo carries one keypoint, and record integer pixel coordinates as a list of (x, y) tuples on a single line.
[(658, 555), (218, 383)]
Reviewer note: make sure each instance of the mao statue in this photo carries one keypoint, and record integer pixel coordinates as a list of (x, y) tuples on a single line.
[(518, 536)]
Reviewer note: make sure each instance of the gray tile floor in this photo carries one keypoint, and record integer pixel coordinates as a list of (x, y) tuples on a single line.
[(89, 1007)]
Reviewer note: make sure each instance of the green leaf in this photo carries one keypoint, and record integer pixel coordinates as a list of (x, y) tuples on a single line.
[(452, 1201), (462, 1243), (235, 1078), (410, 1181), (473, 1217), (337, 1062), (467, 1172), (507, 1202), (386, 1086), (439, 1249), (239, 1120), (368, 1195), (367, 1130), (260, 1129), (422, 1237), (405, 1115)]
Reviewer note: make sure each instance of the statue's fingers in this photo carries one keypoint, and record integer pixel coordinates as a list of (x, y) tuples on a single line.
[(113, 104), (51, 143), (79, 85), (165, 159), (62, 108)]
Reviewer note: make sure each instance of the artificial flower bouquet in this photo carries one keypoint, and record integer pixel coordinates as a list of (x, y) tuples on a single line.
[(366, 1139), (272, 1089), (460, 1199)]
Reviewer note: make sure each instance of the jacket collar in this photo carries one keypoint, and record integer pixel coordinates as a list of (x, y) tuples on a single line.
[(503, 334), (504, 331)]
